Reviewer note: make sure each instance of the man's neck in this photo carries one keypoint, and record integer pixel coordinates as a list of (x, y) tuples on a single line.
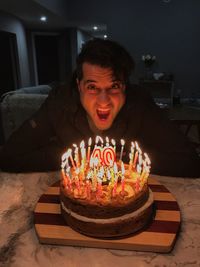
[(93, 128)]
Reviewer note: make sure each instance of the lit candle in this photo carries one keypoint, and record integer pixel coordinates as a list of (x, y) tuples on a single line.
[(147, 159), (88, 189), (101, 140), (94, 163), (137, 184), (83, 156), (131, 155), (138, 150), (89, 149), (139, 166), (143, 169), (71, 159), (130, 161), (112, 176), (69, 178), (77, 181), (114, 144), (83, 151), (97, 140), (122, 149), (107, 141), (108, 176), (100, 179), (123, 178), (116, 179), (65, 158), (76, 155)]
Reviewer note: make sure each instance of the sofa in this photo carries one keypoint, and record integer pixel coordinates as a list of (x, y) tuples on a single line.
[(17, 106)]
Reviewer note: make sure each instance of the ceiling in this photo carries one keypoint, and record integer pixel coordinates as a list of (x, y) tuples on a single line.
[(30, 11)]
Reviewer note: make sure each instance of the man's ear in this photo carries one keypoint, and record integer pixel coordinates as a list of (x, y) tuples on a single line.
[(78, 84)]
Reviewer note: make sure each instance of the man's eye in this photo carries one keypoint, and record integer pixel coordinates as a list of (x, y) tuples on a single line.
[(91, 87), (116, 86)]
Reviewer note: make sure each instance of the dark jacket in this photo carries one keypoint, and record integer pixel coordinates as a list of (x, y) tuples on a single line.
[(61, 121)]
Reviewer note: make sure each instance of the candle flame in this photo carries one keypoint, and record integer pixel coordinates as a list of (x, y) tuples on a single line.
[(140, 159), (136, 144), (147, 159), (113, 142), (65, 156), (122, 142), (132, 150), (90, 141), (98, 138), (82, 144)]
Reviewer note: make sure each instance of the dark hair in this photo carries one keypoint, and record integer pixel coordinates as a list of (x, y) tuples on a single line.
[(107, 54)]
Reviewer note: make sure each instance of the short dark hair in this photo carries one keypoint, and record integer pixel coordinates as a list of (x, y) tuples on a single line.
[(107, 54)]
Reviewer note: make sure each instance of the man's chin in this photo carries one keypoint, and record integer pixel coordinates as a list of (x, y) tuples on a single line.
[(103, 125)]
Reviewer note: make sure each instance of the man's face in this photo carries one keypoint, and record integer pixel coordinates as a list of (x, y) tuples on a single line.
[(101, 95)]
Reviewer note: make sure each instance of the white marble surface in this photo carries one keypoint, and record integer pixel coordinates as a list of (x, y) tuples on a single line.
[(19, 246)]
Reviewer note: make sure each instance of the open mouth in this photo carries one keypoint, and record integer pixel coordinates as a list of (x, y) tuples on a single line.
[(103, 114)]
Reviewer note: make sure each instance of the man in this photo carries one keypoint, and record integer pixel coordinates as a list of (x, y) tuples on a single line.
[(106, 105)]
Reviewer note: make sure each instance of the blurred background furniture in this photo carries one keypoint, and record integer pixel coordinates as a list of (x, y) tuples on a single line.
[(187, 118), (17, 106), (161, 90)]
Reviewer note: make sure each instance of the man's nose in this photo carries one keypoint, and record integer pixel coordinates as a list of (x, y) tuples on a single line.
[(103, 97)]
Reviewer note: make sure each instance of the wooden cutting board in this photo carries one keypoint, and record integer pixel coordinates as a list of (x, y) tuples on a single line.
[(159, 236)]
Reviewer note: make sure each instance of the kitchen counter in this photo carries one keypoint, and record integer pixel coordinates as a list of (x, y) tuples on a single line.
[(19, 245)]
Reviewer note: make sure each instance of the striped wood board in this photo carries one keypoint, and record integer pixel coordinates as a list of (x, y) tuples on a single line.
[(159, 236)]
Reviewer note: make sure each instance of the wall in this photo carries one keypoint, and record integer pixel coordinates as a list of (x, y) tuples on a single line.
[(168, 31), (59, 7), (11, 24), (82, 37)]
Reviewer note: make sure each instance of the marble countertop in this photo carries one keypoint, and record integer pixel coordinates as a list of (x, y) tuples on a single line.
[(19, 245)]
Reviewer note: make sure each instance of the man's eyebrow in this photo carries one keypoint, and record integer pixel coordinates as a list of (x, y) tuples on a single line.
[(94, 81), (90, 81)]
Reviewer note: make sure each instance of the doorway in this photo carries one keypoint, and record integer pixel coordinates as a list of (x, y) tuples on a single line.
[(46, 58), (9, 75)]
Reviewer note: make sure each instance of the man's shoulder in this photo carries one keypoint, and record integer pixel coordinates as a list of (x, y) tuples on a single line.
[(63, 97)]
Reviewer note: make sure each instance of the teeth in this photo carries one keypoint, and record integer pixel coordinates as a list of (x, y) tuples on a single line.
[(103, 110), (103, 113)]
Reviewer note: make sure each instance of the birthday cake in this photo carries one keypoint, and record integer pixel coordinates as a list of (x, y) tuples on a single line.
[(100, 196)]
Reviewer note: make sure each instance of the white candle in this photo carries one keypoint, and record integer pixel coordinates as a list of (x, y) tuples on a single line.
[(107, 141), (113, 142), (76, 155), (71, 158), (89, 148), (123, 180), (64, 159), (122, 149)]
